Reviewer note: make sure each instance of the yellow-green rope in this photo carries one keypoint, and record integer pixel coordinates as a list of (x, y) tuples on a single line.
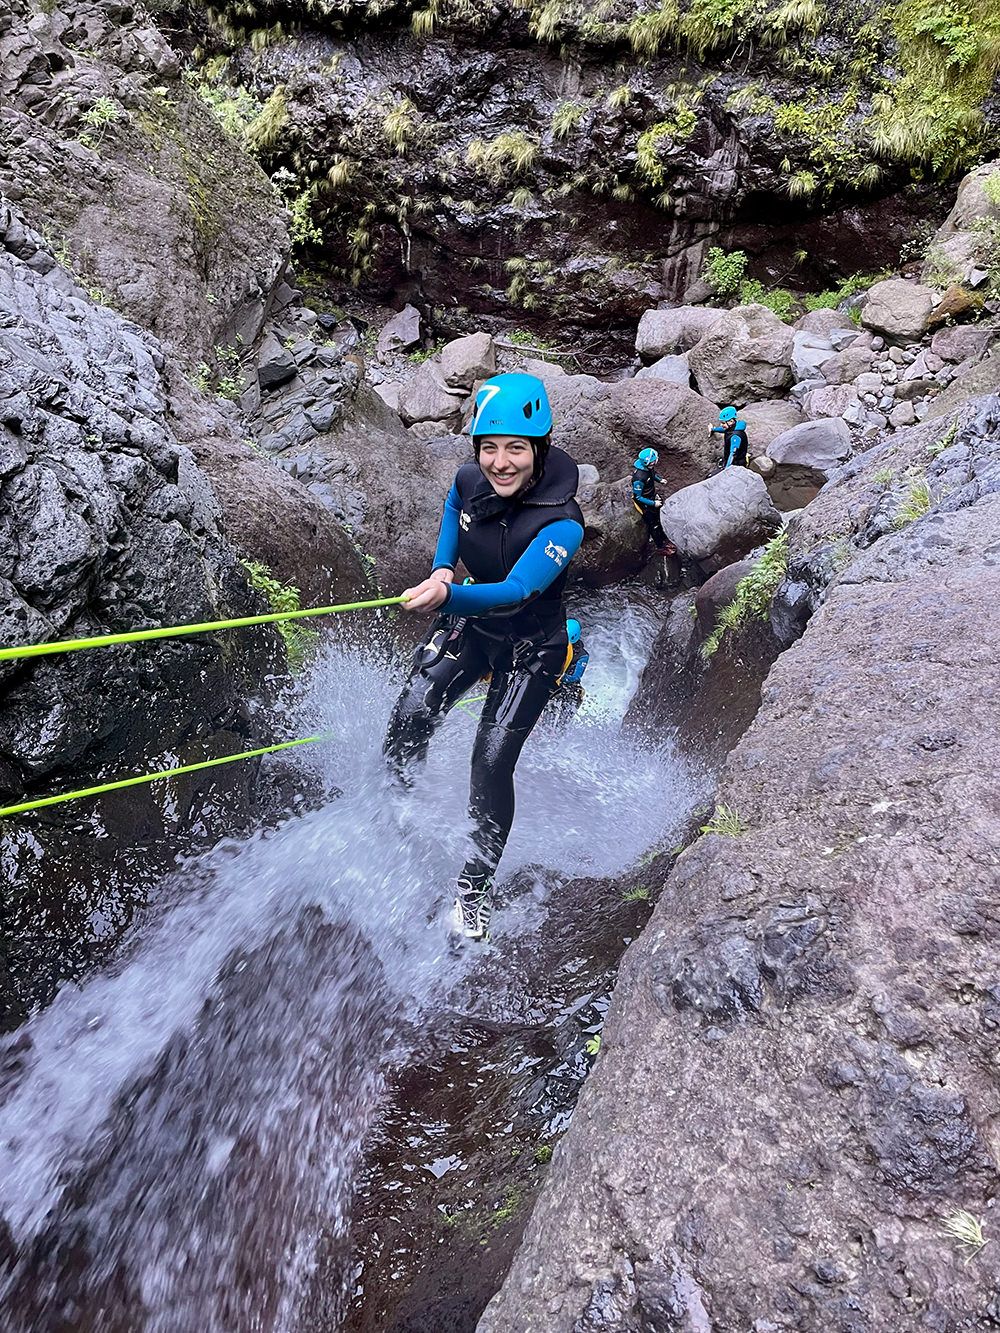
[(171, 631), (153, 777)]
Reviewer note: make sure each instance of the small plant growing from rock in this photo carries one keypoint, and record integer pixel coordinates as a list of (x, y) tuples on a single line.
[(752, 599), (566, 117), (725, 823), (593, 1044), (98, 117), (724, 272), (967, 1231), (299, 639), (640, 894), (946, 441), (543, 1153), (883, 477), (916, 504)]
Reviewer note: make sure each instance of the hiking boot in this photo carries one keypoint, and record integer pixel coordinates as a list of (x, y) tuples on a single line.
[(472, 909)]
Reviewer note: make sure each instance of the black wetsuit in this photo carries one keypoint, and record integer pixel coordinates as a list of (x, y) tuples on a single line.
[(644, 481), (734, 446), (521, 643)]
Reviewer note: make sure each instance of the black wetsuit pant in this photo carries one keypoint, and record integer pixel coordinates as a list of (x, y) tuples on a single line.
[(651, 518), (456, 655)]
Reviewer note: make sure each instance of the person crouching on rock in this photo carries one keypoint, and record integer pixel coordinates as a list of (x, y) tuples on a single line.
[(512, 520), (734, 438), (646, 501)]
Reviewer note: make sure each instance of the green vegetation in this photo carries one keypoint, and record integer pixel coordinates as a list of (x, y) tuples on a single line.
[(967, 1230), (831, 299), (593, 1045), (725, 823), (399, 125), (543, 1154), (640, 894), (566, 118), (724, 270), (496, 158), (98, 118), (505, 1210), (883, 477), (916, 504), (299, 639), (267, 126), (752, 599)]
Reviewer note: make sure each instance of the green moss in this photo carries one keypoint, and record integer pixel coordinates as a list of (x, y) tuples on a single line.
[(299, 640)]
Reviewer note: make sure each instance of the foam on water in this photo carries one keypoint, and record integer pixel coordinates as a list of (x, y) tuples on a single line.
[(176, 1132)]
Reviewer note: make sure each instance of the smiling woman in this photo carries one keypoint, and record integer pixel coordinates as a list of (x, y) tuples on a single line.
[(512, 520)]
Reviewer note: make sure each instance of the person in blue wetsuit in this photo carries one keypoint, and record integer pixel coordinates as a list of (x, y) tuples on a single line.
[(569, 695), (646, 501), (734, 438), (512, 519)]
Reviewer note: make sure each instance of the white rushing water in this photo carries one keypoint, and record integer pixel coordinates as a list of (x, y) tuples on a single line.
[(177, 1131)]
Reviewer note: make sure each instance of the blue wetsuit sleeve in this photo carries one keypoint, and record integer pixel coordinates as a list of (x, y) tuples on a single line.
[(718, 430), (545, 559), (637, 495), (446, 551)]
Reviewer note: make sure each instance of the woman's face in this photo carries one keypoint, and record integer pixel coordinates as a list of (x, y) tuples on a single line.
[(507, 462)]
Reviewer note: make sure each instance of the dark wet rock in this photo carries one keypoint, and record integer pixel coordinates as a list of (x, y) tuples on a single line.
[(615, 540), (110, 526), (669, 332), (745, 356), (721, 519), (275, 363), (402, 331), (898, 309), (822, 949)]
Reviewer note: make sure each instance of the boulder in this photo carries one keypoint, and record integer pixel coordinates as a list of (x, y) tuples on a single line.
[(982, 378), (426, 397), (389, 391), (842, 338), (902, 415), (971, 201), (898, 309), (809, 351), (767, 420), (834, 400), (607, 424), (909, 390), (804, 458), (822, 322), (664, 332), (719, 520), (746, 355), (716, 593), (923, 366), (674, 369), (466, 360), (847, 365), (400, 332), (958, 302), (616, 542), (962, 341), (275, 363)]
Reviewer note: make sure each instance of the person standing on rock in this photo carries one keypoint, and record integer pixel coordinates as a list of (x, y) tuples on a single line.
[(512, 519), (734, 438), (646, 501)]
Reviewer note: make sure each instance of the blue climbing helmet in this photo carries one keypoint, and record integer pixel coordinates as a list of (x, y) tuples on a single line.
[(513, 404), (647, 458), (573, 631), (727, 414)]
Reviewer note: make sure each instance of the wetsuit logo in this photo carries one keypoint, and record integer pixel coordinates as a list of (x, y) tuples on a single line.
[(556, 553), (464, 520)]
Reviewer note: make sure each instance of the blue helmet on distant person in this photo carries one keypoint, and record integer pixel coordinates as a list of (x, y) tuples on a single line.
[(573, 631), (647, 458), (727, 414)]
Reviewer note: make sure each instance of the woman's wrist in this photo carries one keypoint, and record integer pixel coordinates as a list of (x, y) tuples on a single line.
[(444, 574)]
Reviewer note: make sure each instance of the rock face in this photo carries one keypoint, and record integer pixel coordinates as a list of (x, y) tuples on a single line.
[(106, 525), (803, 1036), (745, 356), (154, 206), (721, 519)]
